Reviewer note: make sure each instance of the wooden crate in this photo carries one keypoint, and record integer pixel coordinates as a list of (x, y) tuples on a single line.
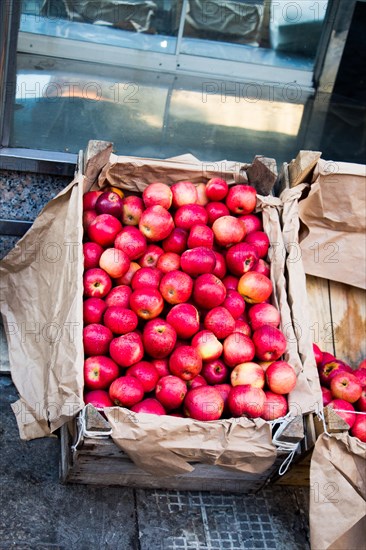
[(98, 461)]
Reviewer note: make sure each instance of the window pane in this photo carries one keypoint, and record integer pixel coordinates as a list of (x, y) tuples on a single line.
[(279, 33), (61, 104), (138, 24)]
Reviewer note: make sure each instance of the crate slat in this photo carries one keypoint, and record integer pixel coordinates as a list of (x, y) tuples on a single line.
[(348, 307)]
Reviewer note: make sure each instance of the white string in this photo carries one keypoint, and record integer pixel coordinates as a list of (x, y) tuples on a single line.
[(83, 432), (351, 412), (284, 446)]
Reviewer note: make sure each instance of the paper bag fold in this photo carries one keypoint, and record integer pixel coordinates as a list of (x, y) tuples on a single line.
[(334, 213), (338, 493)]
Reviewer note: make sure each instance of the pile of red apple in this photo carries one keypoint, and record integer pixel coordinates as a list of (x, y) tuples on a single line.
[(176, 304), (344, 390)]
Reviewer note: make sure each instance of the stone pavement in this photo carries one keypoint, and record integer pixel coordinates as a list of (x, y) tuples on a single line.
[(39, 513)]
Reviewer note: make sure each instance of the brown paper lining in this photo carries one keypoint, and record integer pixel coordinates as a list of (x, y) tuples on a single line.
[(334, 213), (338, 493)]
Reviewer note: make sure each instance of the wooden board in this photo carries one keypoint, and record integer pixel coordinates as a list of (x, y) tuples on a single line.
[(348, 310), (320, 312)]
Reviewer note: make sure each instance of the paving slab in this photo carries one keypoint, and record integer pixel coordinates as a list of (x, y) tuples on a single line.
[(37, 512)]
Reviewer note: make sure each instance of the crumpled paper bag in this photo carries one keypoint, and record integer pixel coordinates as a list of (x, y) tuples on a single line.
[(333, 242), (338, 493)]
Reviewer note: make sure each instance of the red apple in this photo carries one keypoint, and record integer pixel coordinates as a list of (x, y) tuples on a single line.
[(98, 398), (269, 343), (216, 210), (96, 339), (254, 287), (318, 354), (234, 303), (361, 403), (126, 391), (202, 198), (104, 229), (260, 241), (169, 261), (115, 262), (200, 235), (131, 241), (219, 321), (248, 373), (343, 409), (184, 318), (90, 198), (196, 382), (228, 231), (170, 392), (156, 223), (119, 296), (327, 358), (159, 338), (146, 302), (162, 366), (92, 252), (262, 267), (224, 390), (109, 203), (149, 406), (220, 267), (207, 345), (99, 372), (184, 192), (146, 277), (93, 309), (263, 314), (251, 223), (275, 406), (132, 210), (204, 403), (243, 327), (88, 217), (198, 261), (246, 401), (189, 215), (327, 371), (157, 194), (176, 241), (185, 362), (208, 291), (176, 287), (346, 386), (360, 374), (120, 320), (216, 189), (362, 365), (97, 283), (146, 373), (215, 372), (359, 428), (151, 256), (327, 396), (238, 349), (281, 377), (127, 349), (240, 258), (128, 276), (241, 199), (230, 282)]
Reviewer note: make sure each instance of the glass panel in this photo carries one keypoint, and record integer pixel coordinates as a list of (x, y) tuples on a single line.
[(279, 32), (61, 104), (139, 24)]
